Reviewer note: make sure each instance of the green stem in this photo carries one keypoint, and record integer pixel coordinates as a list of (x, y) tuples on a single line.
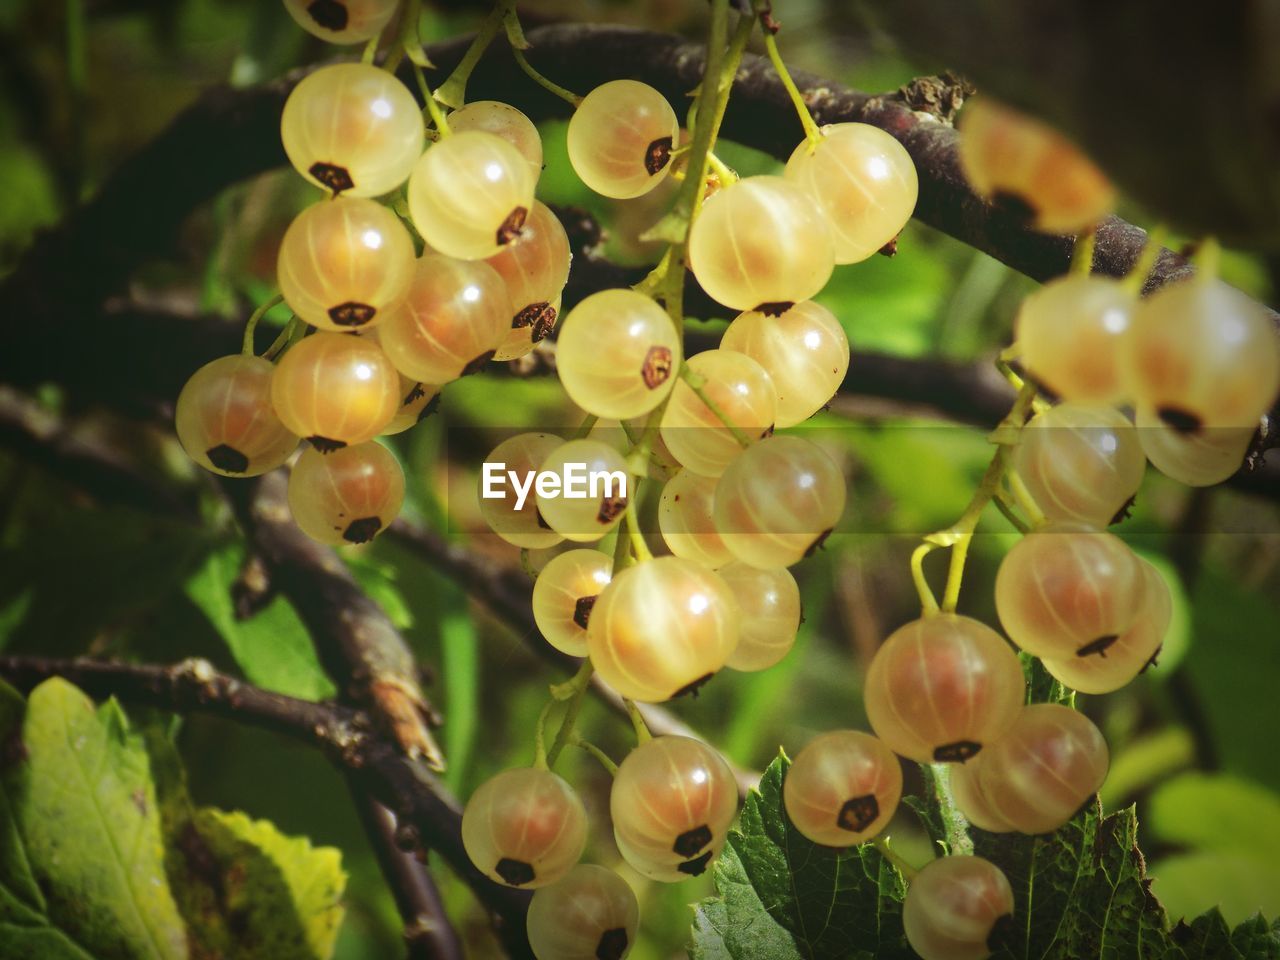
[(638, 467), (283, 339), (604, 758), (928, 602), (1207, 259), (643, 735), (453, 92), (1004, 503), (1026, 502), (722, 171), (953, 821), (811, 131), (1136, 278), (433, 109), (697, 383), (540, 737), (370, 51), (515, 36), (1082, 253), (247, 346), (907, 870), (585, 427), (574, 691)]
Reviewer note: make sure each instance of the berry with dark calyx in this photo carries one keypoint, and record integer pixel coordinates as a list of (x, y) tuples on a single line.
[(842, 788), (740, 389), (417, 402), (942, 688), (589, 914), (672, 801), (348, 496), (225, 420), (345, 264), (564, 597), (804, 350), (525, 827), (522, 455), (342, 21), (777, 501), (602, 478), (769, 607), (535, 269), (864, 182), (352, 129), (662, 628), (335, 389), (952, 906), (620, 138), (1201, 459)]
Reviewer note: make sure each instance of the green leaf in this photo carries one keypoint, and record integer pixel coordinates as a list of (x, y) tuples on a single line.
[(272, 647), (1237, 884), (771, 880), (1217, 812), (80, 810)]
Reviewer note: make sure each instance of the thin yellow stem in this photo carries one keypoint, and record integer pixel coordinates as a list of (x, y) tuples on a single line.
[(605, 760), (584, 428), (1136, 278), (1207, 259), (540, 739), (567, 95), (453, 92), (247, 346), (811, 131), (1082, 254), (643, 735), (721, 170), (574, 691), (907, 870), (283, 339), (928, 603), (370, 51), (1026, 503), (698, 384), (438, 119)]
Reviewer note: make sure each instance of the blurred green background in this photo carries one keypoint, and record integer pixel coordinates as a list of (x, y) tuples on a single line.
[(84, 83)]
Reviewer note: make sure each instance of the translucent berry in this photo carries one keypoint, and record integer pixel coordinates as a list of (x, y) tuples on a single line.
[(345, 263), (535, 268), (1081, 464), (1200, 459), (778, 501), (863, 181), (1044, 768), (505, 121), (1133, 651), (620, 138), (590, 914), (740, 390), (565, 594), (971, 800), (761, 244), (618, 354), (942, 688), (1202, 355), (592, 494), (417, 401), (353, 129), (524, 828), (347, 496), (470, 194), (342, 21), (1069, 334), (686, 522), (842, 788), (662, 628), (521, 455), (1067, 591), (454, 316), (804, 350), (769, 605), (1013, 158), (952, 907), (335, 389), (225, 420), (672, 801)]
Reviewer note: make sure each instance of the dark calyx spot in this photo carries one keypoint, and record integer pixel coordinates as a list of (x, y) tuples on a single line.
[(325, 445), (540, 316), (691, 841), (697, 866), (362, 530), (1099, 646), (227, 458), (767, 432), (1015, 206), (352, 314), (330, 14), (611, 508), (775, 308), (541, 520), (890, 249), (432, 406), (1124, 512), (692, 687), (657, 155), (514, 872), (417, 393), (582, 610), (512, 226), (656, 367), (858, 813), (612, 945), (817, 544), (1153, 659), (332, 176), (957, 752), (476, 365), (1003, 933), (1181, 420)]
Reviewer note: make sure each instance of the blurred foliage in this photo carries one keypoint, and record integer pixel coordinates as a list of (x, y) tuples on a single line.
[(157, 589)]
